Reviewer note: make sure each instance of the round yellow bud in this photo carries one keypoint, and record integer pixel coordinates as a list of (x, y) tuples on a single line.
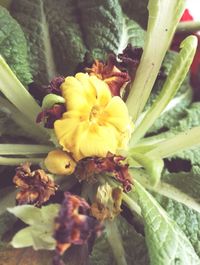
[(60, 163)]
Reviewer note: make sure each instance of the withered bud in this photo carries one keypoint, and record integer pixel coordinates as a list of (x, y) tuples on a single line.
[(107, 204)]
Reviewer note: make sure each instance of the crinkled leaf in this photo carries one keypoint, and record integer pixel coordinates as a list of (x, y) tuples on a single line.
[(187, 219), (13, 46), (59, 33), (136, 10), (187, 182), (133, 242), (167, 244)]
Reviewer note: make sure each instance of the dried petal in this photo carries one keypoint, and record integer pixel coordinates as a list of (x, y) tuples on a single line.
[(49, 116), (35, 186), (113, 76), (89, 168), (73, 224)]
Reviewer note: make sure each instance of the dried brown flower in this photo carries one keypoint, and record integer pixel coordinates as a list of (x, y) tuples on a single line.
[(113, 76), (89, 168), (35, 186), (49, 116), (73, 224)]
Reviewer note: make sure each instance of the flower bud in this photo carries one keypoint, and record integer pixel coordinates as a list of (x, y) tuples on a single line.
[(60, 163)]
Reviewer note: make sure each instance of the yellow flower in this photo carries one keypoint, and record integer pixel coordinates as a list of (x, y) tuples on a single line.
[(95, 122), (59, 162)]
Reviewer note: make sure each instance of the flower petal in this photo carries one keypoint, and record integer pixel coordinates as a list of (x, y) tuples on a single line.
[(116, 114), (102, 91), (94, 140), (73, 93)]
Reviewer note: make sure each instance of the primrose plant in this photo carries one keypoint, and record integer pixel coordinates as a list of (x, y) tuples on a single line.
[(95, 161)]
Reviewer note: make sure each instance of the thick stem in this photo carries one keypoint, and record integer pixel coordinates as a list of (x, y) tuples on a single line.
[(132, 205), (24, 149), (115, 242), (17, 94), (5, 161), (188, 27), (177, 143), (165, 189)]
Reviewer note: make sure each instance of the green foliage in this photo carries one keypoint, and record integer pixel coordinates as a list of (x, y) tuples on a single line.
[(13, 46), (163, 19), (133, 242), (173, 82), (59, 33), (136, 10), (39, 233), (187, 219), (167, 244), (187, 182)]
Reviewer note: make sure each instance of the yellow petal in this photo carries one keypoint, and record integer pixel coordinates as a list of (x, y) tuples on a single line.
[(60, 163), (73, 93), (88, 88), (102, 91), (94, 140), (116, 113)]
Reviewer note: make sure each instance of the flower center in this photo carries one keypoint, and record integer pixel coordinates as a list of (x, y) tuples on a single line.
[(94, 113)]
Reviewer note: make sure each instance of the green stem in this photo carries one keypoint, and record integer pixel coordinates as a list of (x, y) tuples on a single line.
[(177, 143), (188, 27), (24, 149), (5, 161), (17, 94), (132, 205), (165, 189), (163, 18), (115, 242), (29, 127), (174, 80)]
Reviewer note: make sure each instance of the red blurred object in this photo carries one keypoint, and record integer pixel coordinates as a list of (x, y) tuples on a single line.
[(195, 68), (186, 16)]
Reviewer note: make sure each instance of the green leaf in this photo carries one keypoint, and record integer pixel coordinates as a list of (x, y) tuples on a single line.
[(187, 219), (17, 94), (13, 46), (176, 109), (175, 78), (163, 19), (131, 33), (60, 33), (39, 234), (136, 10), (167, 244), (187, 182), (133, 242), (6, 220)]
